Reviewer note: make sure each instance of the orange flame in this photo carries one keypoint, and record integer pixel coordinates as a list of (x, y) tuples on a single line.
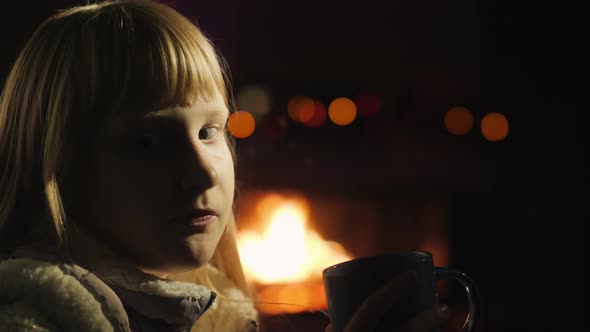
[(286, 251)]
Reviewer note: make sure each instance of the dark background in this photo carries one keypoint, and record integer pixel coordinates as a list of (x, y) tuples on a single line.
[(517, 210)]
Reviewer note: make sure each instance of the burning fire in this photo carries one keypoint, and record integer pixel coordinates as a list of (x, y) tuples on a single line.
[(286, 256)]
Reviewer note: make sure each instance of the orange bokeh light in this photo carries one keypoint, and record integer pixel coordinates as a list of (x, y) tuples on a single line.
[(494, 127), (301, 108), (342, 111), (459, 120), (319, 116), (241, 124)]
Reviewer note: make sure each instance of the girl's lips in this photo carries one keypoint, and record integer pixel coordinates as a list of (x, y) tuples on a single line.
[(196, 220), (202, 220)]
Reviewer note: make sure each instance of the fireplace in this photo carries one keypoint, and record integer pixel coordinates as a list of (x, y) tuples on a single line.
[(356, 197)]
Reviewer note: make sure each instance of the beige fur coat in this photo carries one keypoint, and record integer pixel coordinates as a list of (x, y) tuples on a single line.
[(39, 292)]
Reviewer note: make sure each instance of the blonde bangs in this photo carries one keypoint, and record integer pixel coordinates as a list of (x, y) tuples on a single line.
[(182, 64), (146, 55)]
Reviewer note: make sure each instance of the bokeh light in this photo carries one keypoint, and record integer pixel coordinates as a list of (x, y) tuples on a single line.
[(459, 120), (241, 124), (301, 108), (254, 99), (368, 104), (342, 111), (494, 127), (319, 117)]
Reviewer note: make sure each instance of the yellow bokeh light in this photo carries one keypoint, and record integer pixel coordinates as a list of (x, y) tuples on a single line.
[(241, 124), (301, 108), (459, 120), (342, 111), (494, 127), (255, 99)]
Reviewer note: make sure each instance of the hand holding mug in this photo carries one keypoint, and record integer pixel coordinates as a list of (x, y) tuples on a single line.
[(394, 292)]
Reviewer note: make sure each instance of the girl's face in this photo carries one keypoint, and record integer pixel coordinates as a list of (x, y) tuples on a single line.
[(158, 187)]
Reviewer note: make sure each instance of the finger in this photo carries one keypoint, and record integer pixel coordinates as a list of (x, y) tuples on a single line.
[(428, 320), (373, 308), (329, 328)]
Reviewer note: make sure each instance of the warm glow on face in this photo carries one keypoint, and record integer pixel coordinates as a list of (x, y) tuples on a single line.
[(241, 124), (459, 120), (342, 111), (494, 127), (301, 108), (286, 251)]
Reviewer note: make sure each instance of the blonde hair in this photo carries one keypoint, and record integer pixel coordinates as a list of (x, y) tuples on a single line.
[(81, 66)]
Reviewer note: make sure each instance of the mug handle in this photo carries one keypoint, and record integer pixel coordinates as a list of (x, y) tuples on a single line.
[(472, 293)]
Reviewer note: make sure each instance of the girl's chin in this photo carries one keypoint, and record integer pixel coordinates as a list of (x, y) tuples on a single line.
[(164, 271), (180, 263)]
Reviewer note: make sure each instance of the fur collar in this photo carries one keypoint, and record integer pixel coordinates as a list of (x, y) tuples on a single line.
[(76, 299), (56, 293)]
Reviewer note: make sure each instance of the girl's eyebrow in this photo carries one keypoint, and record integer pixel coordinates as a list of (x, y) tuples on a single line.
[(121, 120), (207, 110)]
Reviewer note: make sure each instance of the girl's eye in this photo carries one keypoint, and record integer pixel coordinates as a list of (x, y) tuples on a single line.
[(208, 133)]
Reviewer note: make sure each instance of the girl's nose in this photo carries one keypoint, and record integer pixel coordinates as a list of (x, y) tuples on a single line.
[(198, 176)]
